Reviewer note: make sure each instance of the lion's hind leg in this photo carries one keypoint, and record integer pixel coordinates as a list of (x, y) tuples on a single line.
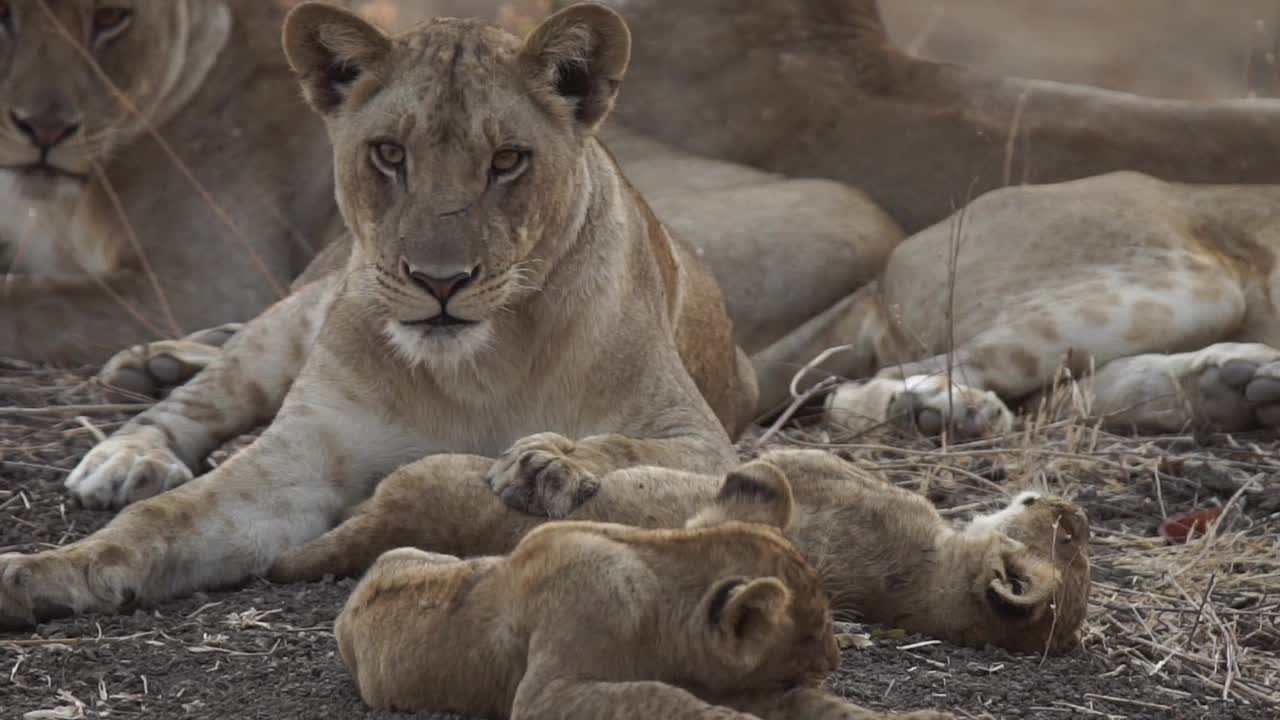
[(1225, 387)]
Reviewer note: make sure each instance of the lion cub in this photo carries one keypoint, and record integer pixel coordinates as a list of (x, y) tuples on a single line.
[(1018, 578), (592, 620)]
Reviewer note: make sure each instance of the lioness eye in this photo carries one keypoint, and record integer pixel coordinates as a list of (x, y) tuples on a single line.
[(504, 161), (110, 18), (390, 154), (4, 12)]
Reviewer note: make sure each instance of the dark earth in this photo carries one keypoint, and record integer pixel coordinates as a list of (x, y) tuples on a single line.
[(267, 651)]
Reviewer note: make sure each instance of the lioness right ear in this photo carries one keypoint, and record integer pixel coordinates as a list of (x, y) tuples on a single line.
[(330, 49), (578, 56), (755, 492)]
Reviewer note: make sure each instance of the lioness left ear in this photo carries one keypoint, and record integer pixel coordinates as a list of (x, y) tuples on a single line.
[(330, 49), (579, 55)]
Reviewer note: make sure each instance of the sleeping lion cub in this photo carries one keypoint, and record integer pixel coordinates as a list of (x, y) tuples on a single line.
[(596, 620), (1018, 578), (508, 294)]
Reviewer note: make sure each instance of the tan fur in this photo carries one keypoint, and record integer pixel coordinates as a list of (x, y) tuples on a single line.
[(588, 619), (1018, 578), (570, 356), (1156, 296), (122, 246)]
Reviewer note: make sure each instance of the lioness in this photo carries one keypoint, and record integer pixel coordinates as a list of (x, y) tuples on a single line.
[(505, 280), (158, 173), (817, 88), (1156, 296), (1018, 578), (593, 620)]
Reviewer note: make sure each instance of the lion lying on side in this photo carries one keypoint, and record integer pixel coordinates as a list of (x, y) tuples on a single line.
[(109, 236), (1018, 578), (594, 620)]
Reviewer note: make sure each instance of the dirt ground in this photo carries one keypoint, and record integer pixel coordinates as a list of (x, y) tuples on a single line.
[(1172, 628)]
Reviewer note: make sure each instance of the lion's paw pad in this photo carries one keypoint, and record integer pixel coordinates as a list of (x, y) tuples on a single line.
[(124, 469)]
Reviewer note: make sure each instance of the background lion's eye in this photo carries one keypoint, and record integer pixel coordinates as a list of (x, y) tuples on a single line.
[(506, 160), (109, 18), (390, 153)]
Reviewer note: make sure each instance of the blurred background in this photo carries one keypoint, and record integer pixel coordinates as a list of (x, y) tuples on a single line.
[(1194, 49)]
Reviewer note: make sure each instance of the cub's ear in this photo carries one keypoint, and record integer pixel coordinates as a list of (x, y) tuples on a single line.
[(578, 56), (746, 618), (330, 49), (755, 492), (1017, 584)]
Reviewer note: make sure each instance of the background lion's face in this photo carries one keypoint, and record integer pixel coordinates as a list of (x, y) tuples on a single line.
[(58, 114)]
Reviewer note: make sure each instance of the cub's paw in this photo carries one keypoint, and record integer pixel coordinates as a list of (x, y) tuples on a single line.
[(126, 468), (927, 403), (149, 369), (539, 476)]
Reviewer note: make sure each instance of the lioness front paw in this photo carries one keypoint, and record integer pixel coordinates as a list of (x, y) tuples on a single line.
[(927, 403), (147, 369), (539, 476), (39, 587), (126, 468)]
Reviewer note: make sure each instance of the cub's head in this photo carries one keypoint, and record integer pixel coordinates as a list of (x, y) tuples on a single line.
[(764, 621), (461, 156), (1035, 575), (58, 60)]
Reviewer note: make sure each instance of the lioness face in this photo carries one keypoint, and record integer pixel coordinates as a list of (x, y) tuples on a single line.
[(459, 157), (58, 59)]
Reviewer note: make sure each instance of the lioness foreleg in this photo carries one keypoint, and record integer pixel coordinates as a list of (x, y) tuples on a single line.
[(244, 385), (289, 486), (549, 474)]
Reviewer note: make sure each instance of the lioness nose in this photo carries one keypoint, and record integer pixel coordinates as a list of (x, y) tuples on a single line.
[(44, 131), (441, 288)]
